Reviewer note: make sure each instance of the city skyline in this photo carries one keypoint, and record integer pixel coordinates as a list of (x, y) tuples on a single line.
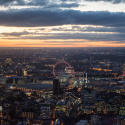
[(62, 23), (62, 86)]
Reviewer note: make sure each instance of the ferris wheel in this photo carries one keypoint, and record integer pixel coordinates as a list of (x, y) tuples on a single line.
[(60, 63)]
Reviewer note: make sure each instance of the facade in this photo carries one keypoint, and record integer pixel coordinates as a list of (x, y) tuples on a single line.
[(45, 110), (82, 122), (79, 82), (63, 79), (56, 86), (89, 98), (2, 79), (69, 70), (91, 58), (94, 120), (25, 72), (62, 108)]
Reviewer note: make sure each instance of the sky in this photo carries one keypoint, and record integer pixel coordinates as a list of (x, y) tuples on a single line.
[(62, 23)]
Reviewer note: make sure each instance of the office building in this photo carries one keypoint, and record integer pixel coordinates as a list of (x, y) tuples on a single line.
[(25, 72), (95, 120), (56, 86), (2, 79), (69, 70), (45, 110), (91, 58), (89, 98), (62, 108)]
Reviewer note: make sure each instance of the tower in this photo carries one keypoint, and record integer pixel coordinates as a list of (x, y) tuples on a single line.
[(91, 58), (94, 120), (89, 98), (56, 86), (86, 77)]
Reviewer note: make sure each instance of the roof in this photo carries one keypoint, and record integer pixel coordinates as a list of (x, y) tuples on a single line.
[(61, 102)]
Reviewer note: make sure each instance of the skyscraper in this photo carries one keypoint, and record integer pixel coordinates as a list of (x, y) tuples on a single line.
[(56, 86), (91, 58), (89, 98)]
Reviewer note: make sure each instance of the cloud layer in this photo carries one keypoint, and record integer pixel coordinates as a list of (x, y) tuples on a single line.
[(41, 17), (48, 18)]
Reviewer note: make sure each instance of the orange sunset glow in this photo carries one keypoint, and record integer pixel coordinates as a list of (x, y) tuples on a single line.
[(62, 24)]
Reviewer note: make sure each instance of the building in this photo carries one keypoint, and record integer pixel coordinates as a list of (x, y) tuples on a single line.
[(91, 58), (63, 79), (79, 82), (27, 114), (56, 86), (72, 99), (8, 60), (95, 120), (45, 110), (89, 98), (69, 70), (21, 81), (2, 79), (82, 122), (58, 122), (35, 122), (62, 107), (1, 109), (25, 72), (8, 75)]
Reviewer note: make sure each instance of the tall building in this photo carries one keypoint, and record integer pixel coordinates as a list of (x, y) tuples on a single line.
[(89, 98), (56, 86), (2, 79), (95, 120), (91, 58), (123, 67), (25, 72), (45, 110)]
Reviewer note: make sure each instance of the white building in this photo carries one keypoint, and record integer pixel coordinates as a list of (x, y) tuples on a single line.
[(25, 72)]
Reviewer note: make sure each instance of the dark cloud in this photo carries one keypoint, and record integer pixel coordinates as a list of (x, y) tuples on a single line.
[(23, 2), (111, 1), (118, 1), (90, 29), (69, 0), (16, 34), (51, 2), (40, 17), (86, 36), (65, 36), (37, 2), (12, 2), (62, 5), (42, 3)]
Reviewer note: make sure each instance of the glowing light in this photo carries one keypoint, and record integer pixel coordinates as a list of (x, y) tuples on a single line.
[(59, 63)]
